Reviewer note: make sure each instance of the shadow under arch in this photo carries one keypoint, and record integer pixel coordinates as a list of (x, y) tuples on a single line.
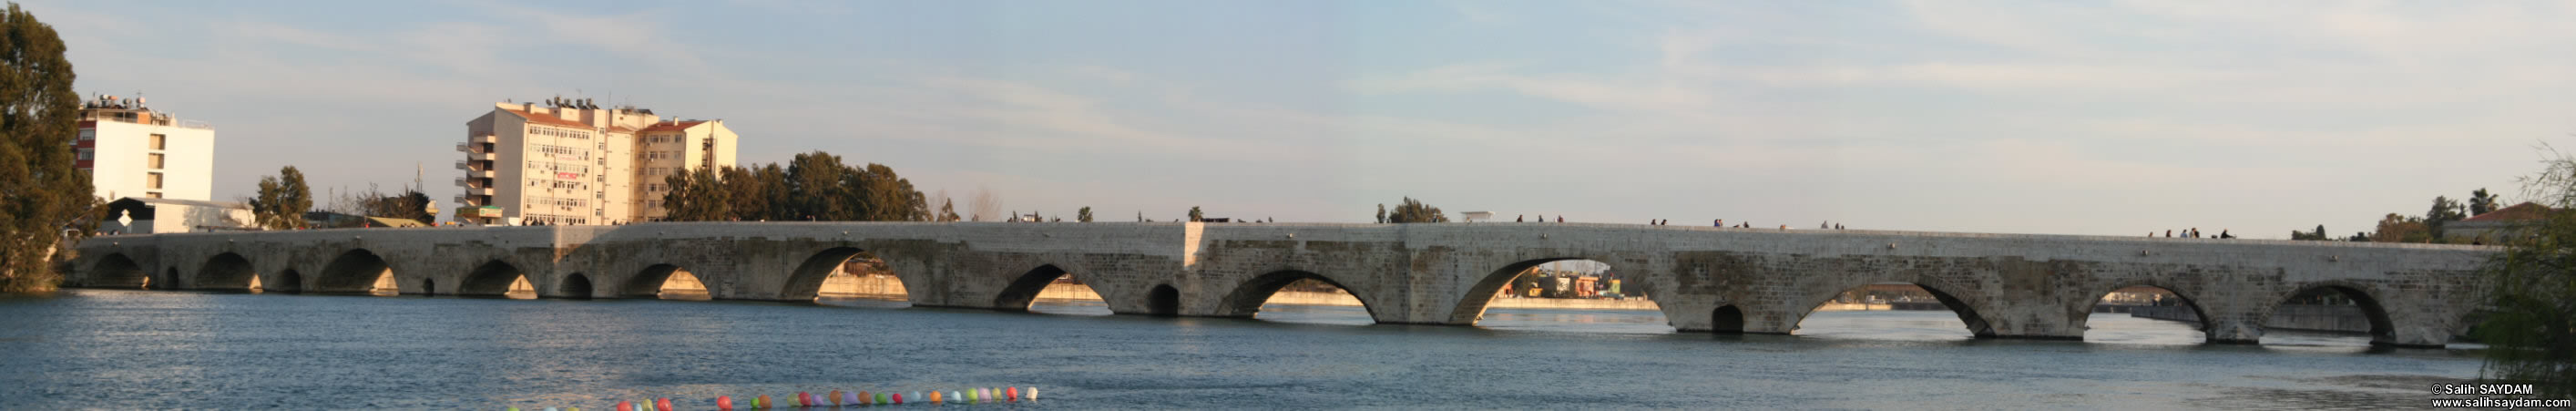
[(492, 279), (2199, 316), (1726, 319), (575, 286), (1164, 301), (656, 281), (2383, 331), (806, 282), (1024, 290), (353, 272), (287, 281), (1968, 315), (429, 286), (1247, 298), (1471, 307), (227, 271), (115, 271)]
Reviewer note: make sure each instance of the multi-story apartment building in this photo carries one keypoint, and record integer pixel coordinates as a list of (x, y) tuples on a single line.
[(131, 151), (569, 161)]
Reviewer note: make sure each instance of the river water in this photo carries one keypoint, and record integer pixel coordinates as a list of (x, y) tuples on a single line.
[(104, 349)]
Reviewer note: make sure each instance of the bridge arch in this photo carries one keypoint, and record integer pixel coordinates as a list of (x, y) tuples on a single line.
[(1471, 307), (1967, 312), (227, 271), (806, 281), (429, 287), (2383, 330), (574, 286), (1163, 301), (1247, 298), (665, 281), (287, 281), (1726, 319), (492, 279), (1024, 290), (116, 271), (354, 272), (2092, 305)]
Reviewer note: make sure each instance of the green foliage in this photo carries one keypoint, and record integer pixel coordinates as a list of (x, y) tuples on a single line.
[(283, 200), (1381, 213), (948, 210), (2480, 202), (812, 186), (1083, 215), (1411, 211), (2444, 210), (2530, 330), (42, 195), (698, 195), (1194, 213), (411, 205), (2319, 235), (2397, 228)]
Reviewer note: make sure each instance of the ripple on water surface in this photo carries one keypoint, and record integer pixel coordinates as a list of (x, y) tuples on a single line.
[(160, 350)]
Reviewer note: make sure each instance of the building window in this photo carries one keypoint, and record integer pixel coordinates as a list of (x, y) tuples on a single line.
[(155, 161), (87, 154), (152, 181), (160, 142)]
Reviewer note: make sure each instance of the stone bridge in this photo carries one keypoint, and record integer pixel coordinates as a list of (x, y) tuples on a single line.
[(1704, 278)]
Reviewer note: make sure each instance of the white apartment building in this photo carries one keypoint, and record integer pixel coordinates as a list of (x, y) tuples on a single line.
[(131, 151), (569, 161)]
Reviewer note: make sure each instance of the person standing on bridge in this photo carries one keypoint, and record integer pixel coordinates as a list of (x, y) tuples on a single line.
[(1721, 223), (1517, 218), (1560, 218)]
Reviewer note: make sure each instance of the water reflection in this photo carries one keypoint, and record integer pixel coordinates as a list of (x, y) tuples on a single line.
[(161, 350)]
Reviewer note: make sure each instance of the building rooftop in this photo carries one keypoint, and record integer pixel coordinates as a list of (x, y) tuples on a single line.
[(547, 119), (672, 126), (199, 203), (2524, 211)]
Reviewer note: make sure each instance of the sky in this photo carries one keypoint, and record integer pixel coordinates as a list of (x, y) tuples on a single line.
[(2100, 118)]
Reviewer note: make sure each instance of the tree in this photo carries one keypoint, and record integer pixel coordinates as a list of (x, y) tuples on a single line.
[(2397, 228), (696, 195), (984, 203), (1083, 215), (2480, 202), (818, 184), (2319, 235), (1140, 216), (283, 200), (411, 205), (884, 196), (747, 195), (1411, 211), (1194, 213), (947, 210), (2530, 331), (42, 194), (1381, 213), (2444, 210)]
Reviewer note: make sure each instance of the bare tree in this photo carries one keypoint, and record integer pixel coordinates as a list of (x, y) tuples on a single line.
[(940, 199), (985, 204)]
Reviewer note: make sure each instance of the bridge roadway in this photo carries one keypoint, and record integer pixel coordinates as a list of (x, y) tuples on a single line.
[(1749, 280)]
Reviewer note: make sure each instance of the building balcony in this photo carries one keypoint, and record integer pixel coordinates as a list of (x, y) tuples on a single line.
[(483, 139), (480, 191)]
